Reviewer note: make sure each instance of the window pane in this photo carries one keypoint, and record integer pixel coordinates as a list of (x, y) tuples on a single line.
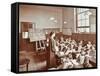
[(87, 22), (84, 30), (84, 16), (83, 20), (87, 16), (80, 30)]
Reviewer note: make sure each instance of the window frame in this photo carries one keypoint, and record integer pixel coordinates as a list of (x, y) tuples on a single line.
[(77, 20)]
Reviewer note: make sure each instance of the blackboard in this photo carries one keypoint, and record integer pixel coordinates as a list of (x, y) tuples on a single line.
[(36, 35)]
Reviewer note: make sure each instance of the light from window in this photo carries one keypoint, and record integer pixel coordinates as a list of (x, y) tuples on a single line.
[(83, 20)]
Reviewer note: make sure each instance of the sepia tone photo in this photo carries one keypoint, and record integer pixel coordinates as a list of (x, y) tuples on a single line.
[(56, 38)]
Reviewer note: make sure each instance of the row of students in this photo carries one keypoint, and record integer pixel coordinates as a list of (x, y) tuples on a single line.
[(71, 53)]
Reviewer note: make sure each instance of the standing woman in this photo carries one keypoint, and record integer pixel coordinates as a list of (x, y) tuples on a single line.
[(53, 49)]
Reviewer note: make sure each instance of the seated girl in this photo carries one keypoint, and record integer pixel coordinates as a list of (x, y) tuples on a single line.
[(89, 45), (66, 62), (81, 58)]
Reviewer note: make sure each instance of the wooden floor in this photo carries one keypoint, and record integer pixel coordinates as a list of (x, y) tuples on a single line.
[(37, 61)]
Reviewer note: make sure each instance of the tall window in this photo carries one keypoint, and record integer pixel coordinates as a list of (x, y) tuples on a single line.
[(83, 20)]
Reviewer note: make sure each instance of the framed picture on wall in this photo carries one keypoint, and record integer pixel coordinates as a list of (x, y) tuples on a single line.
[(52, 37)]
